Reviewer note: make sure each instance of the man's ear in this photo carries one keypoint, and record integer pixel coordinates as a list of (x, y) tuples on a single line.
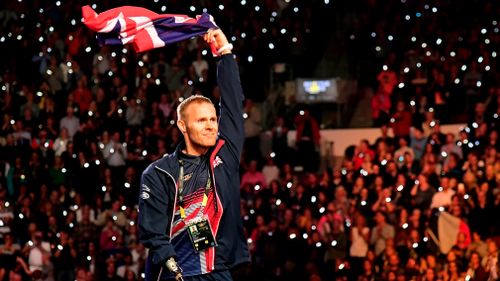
[(182, 126)]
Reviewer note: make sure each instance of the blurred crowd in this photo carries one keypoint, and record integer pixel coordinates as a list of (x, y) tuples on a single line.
[(80, 123), (438, 57)]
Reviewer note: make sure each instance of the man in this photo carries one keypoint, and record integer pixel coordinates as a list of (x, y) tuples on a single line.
[(70, 122), (189, 214), (444, 196), (491, 262), (381, 232)]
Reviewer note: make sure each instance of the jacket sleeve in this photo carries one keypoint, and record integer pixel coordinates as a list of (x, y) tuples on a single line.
[(231, 116), (154, 219)]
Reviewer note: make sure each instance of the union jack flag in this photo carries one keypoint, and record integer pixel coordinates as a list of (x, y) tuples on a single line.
[(143, 28)]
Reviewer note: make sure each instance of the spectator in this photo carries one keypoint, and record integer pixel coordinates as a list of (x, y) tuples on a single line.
[(270, 171), (417, 142), (308, 139), (442, 198), (380, 105), (401, 121), (253, 177), (253, 127), (134, 113), (380, 233), (360, 235), (70, 122), (490, 261)]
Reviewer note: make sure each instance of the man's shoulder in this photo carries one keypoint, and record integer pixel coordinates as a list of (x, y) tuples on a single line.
[(163, 164)]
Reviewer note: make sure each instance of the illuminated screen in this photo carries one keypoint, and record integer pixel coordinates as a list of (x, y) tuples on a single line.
[(316, 91)]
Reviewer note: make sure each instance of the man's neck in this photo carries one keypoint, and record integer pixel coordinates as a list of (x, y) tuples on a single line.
[(194, 151)]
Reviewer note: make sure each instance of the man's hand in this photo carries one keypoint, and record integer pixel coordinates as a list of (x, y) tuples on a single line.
[(172, 266), (218, 39)]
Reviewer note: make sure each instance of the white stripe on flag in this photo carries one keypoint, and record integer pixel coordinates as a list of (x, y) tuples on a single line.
[(127, 39), (142, 22), (179, 19), (110, 24), (157, 42)]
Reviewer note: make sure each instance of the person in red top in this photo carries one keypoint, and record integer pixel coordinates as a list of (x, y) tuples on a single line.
[(83, 96), (401, 121), (42, 142), (362, 150), (388, 80)]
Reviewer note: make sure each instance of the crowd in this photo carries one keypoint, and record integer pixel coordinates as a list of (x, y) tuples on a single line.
[(81, 122), (439, 57)]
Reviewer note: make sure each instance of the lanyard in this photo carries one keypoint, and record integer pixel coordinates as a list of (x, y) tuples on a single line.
[(180, 198)]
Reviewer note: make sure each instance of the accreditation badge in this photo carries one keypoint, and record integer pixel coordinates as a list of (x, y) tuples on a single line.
[(201, 234)]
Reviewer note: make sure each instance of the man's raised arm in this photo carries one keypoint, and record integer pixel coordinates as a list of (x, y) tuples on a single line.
[(228, 79)]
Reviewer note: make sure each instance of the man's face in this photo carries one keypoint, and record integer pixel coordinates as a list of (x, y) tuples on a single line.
[(445, 183), (199, 125)]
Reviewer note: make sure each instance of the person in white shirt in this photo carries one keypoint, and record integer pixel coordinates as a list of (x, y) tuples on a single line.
[(200, 64), (360, 236), (38, 253), (271, 171), (443, 197), (70, 122), (115, 152), (61, 143), (400, 152), (491, 261)]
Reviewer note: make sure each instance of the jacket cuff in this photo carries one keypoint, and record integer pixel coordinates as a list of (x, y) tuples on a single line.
[(161, 255)]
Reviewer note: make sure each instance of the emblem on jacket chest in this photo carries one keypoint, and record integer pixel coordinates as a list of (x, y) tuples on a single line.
[(217, 161)]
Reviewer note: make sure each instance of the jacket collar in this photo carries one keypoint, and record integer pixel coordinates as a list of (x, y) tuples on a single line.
[(170, 163)]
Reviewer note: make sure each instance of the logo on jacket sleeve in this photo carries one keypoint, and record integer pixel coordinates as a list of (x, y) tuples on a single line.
[(217, 161), (145, 192)]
